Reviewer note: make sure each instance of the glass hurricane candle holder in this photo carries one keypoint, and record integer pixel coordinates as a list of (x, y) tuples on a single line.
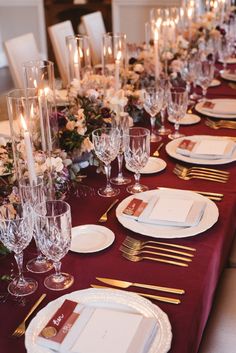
[(114, 57)]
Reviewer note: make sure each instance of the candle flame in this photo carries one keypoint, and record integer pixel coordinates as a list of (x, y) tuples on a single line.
[(156, 35), (87, 52), (119, 54), (80, 53), (158, 22), (109, 50), (32, 111), (35, 84), (23, 123), (46, 90), (76, 57)]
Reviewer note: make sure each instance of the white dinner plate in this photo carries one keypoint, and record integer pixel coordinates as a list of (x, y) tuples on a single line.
[(209, 218), (91, 238), (223, 101), (154, 165), (172, 146), (228, 61), (188, 119), (228, 77), (103, 298)]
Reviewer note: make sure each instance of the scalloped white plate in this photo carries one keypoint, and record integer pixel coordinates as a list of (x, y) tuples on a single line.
[(188, 119), (154, 165), (104, 298)]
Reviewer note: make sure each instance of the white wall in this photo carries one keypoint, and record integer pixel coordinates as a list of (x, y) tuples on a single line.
[(18, 17)]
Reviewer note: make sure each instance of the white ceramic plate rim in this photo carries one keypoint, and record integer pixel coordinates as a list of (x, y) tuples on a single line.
[(193, 119), (172, 145), (227, 78), (103, 298), (199, 108), (209, 217), (110, 237), (215, 83), (158, 165), (228, 61)]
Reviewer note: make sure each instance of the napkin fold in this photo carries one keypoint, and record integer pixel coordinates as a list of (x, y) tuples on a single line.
[(217, 107), (206, 149)]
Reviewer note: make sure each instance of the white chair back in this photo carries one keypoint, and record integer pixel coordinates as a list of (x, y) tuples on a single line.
[(94, 26), (58, 34), (19, 50)]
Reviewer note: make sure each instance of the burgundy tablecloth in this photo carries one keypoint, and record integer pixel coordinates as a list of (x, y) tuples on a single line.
[(199, 280)]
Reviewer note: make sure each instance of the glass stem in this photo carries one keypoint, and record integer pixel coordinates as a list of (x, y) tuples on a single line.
[(177, 126), (19, 261), (204, 92), (163, 115), (120, 158), (108, 174), (153, 120), (137, 179), (57, 266)]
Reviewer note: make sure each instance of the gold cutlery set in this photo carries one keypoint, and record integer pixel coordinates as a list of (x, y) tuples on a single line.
[(133, 249), (219, 124), (125, 285), (201, 173)]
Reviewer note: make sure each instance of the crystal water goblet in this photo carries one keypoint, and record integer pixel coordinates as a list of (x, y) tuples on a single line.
[(106, 142), (137, 152), (163, 129), (31, 195), (177, 107), (53, 223), (205, 77), (153, 101), (121, 123), (16, 231)]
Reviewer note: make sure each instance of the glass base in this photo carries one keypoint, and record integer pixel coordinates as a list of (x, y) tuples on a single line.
[(164, 131), (155, 138), (175, 135), (136, 188), (22, 288), (59, 282), (108, 192), (120, 180), (38, 265)]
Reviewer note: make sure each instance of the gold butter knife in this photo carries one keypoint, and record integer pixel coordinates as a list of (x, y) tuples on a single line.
[(125, 284), (150, 296)]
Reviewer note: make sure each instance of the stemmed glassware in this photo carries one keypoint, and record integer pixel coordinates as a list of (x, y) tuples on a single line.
[(53, 222), (16, 231), (206, 75), (137, 152), (177, 106), (121, 123), (153, 102), (31, 195), (225, 49), (106, 143)]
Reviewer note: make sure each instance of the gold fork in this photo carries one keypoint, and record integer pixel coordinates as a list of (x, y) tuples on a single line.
[(131, 252), (220, 124), (20, 330), (137, 243), (136, 258), (128, 245), (191, 175), (203, 169), (103, 218), (193, 171)]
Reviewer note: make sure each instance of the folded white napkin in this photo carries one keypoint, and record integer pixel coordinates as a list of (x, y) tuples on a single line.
[(227, 108), (173, 211), (208, 149)]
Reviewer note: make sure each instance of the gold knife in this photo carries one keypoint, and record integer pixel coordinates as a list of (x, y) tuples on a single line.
[(155, 297), (125, 284)]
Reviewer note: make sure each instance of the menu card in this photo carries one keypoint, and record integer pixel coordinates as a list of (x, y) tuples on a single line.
[(76, 328)]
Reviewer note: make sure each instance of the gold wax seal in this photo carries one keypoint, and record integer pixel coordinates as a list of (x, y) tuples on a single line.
[(49, 332)]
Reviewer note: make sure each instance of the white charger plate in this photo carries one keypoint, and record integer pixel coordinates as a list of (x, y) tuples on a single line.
[(103, 298), (172, 146), (154, 165), (91, 238), (188, 119), (199, 107), (209, 218)]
